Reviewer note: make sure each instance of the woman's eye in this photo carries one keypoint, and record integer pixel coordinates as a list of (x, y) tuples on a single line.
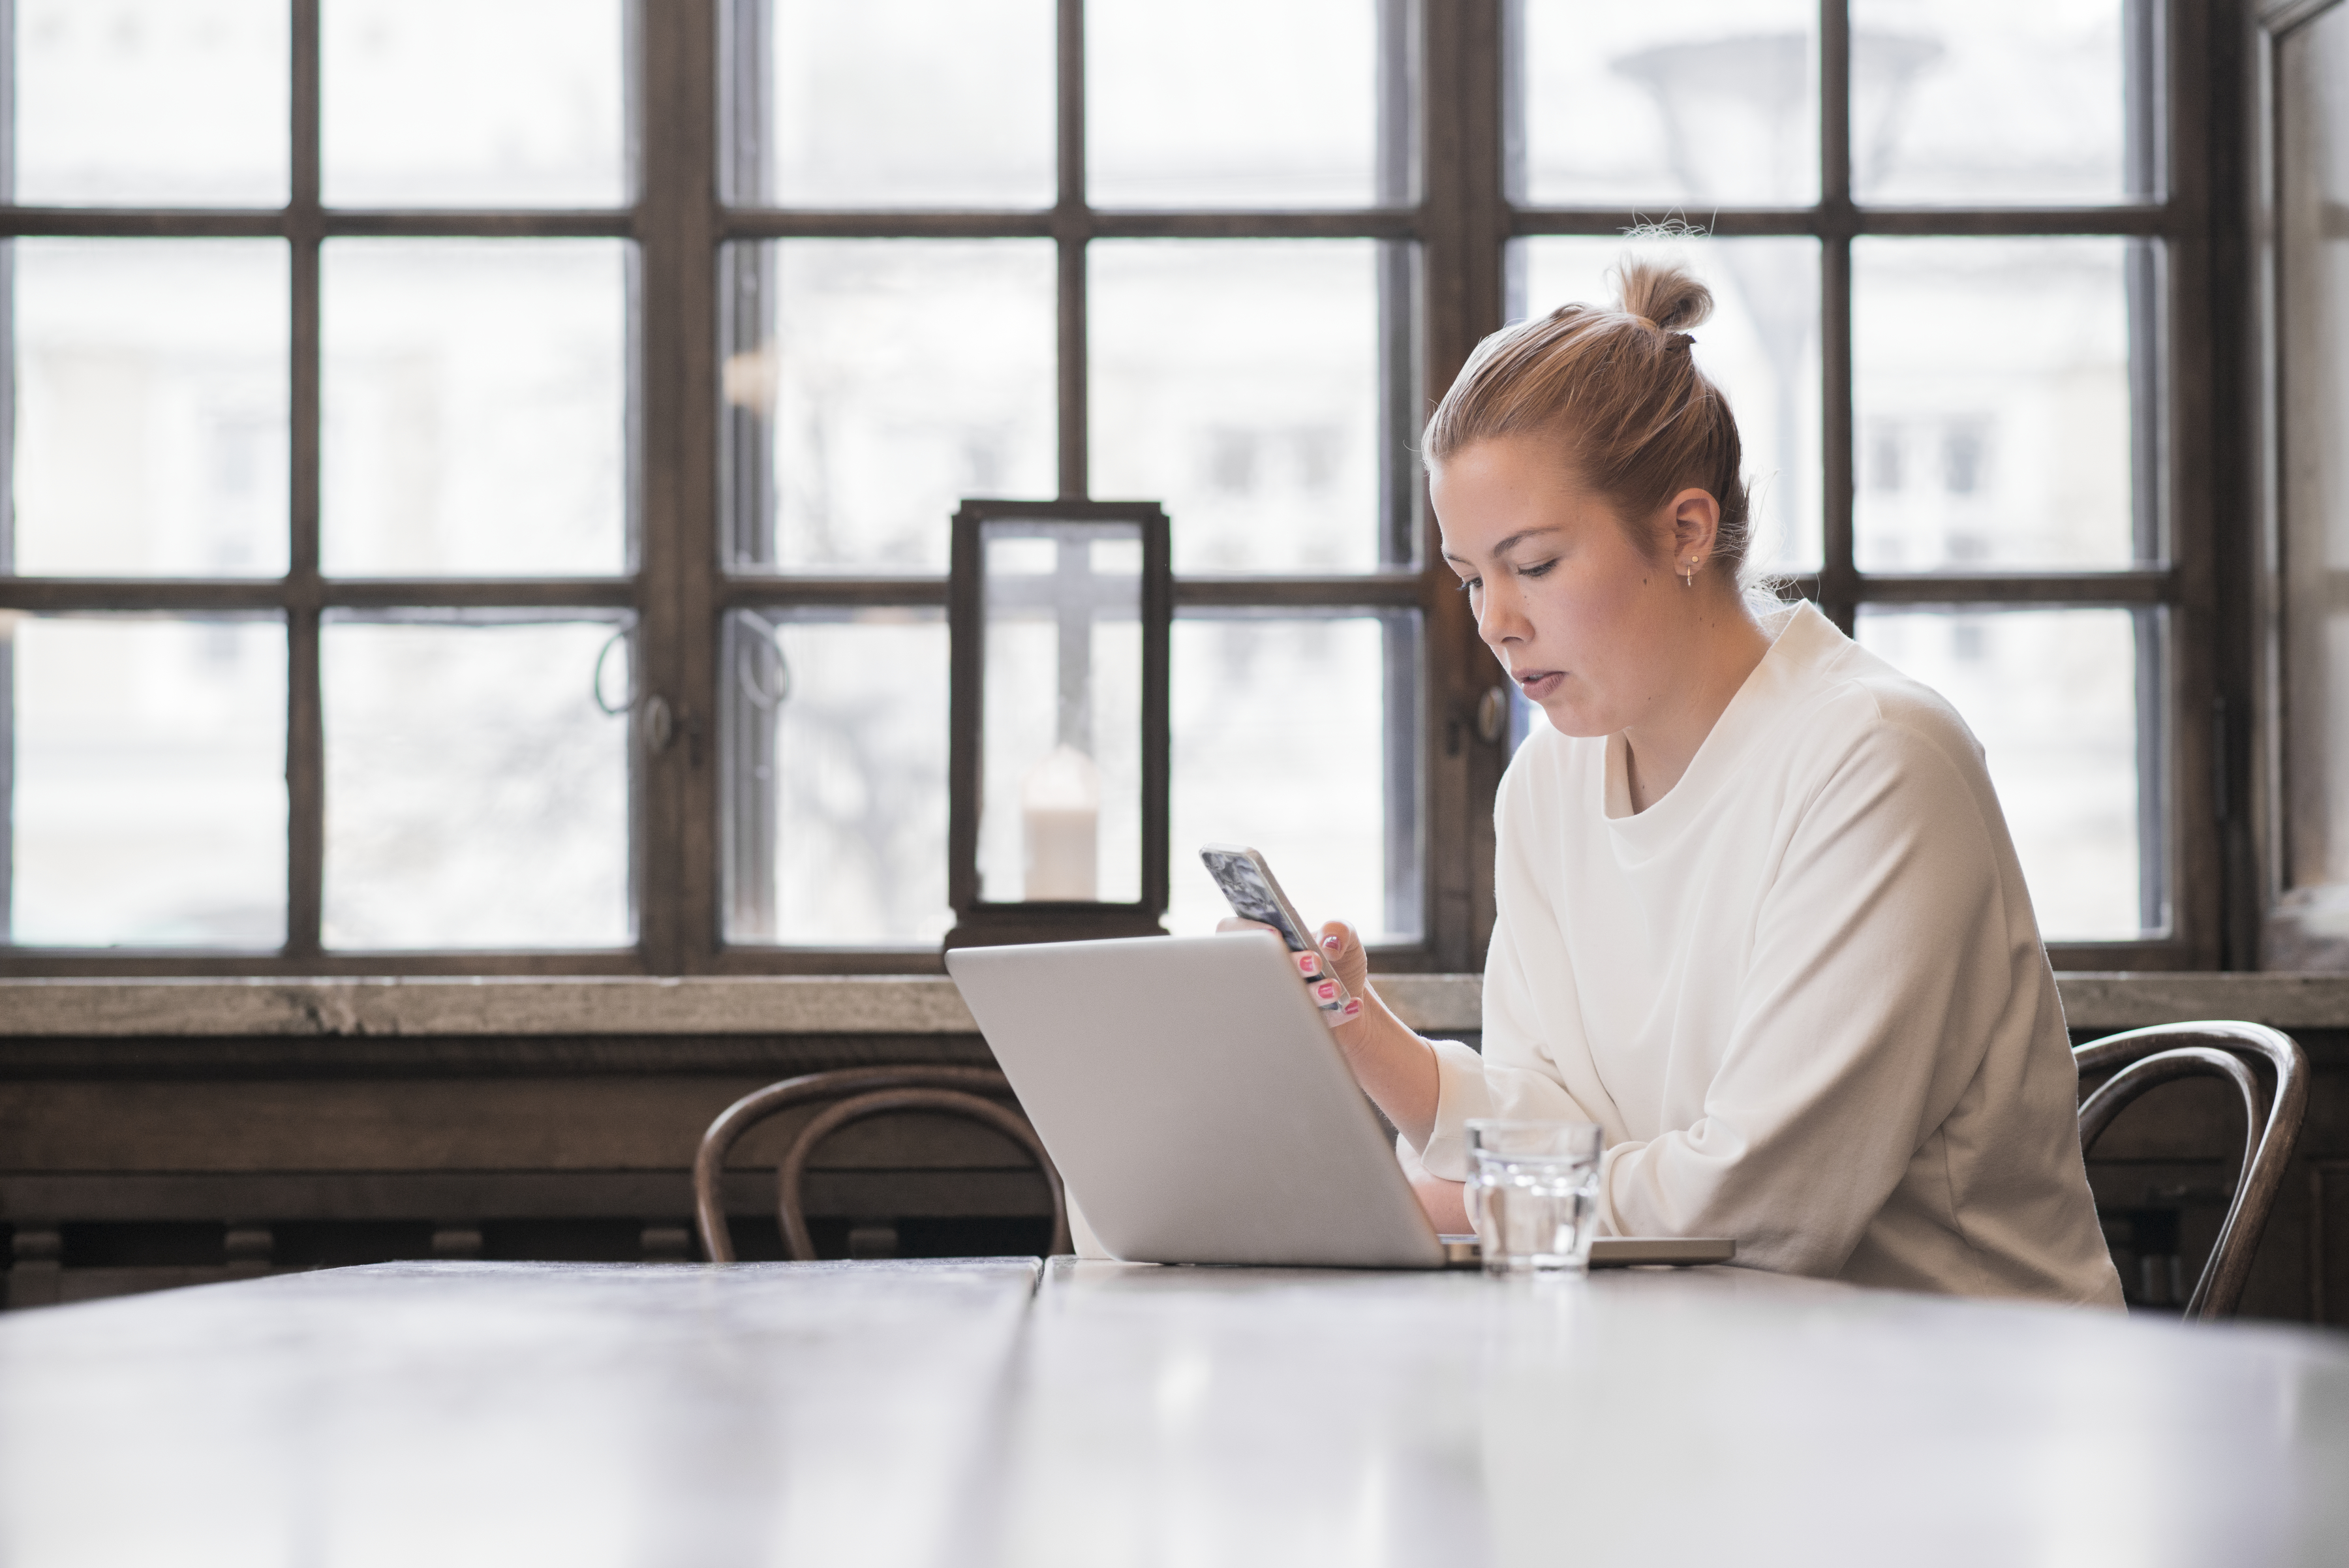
[(1540, 571), (1470, 585)]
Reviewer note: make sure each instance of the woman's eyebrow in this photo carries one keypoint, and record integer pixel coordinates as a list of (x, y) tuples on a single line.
[(1504, 547)]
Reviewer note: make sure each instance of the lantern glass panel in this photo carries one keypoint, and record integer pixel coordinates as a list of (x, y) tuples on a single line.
[(1060, 744)]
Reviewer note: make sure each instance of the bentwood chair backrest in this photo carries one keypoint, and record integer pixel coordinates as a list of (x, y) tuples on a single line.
[(856, 1094), (2142, 1058)]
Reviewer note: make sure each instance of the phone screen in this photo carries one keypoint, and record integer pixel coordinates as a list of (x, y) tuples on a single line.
[(1253, 896)]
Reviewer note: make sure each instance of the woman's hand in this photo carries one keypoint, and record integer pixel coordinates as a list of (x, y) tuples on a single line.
[(1315, 969)]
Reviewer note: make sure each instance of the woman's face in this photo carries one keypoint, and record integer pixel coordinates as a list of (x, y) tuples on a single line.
[(1582, 621)]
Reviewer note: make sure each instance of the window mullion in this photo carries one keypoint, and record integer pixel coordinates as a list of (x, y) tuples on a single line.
[(1464, 211), (2191, 54), (674, 816), (1838, 583), (7, 474), (305, 756), (1071, 227)]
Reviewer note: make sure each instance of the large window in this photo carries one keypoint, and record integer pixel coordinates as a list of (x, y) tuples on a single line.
[(480, 471)]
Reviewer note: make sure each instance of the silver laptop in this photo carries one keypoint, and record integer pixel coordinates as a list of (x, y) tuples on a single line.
[(1192, 1096)]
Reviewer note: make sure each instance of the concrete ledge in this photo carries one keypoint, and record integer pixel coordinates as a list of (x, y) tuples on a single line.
[(876, 1004), (592, 1005), (497, 1005), (2113, 1001)]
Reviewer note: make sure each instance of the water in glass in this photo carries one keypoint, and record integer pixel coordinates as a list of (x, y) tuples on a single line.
[(1533, 1191)]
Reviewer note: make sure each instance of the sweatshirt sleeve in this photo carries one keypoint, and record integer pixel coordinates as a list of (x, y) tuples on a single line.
[(1516, 1075), (1879, 953)]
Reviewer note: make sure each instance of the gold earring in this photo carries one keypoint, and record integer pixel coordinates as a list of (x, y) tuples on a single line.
[(1688, 574)]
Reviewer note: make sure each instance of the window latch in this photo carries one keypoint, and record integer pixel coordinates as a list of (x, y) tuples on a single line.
[(1492, 715), (658, 724)]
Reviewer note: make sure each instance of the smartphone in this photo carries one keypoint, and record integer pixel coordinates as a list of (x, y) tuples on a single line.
[(1255, 894)]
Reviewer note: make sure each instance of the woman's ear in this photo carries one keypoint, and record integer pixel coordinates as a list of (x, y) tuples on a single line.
[(1696, 524)]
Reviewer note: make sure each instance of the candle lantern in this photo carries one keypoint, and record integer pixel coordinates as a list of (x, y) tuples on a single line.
[(1058, 613), (1057, 751)]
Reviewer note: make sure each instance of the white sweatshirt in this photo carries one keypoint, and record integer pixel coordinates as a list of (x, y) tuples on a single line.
[(1803, 993)]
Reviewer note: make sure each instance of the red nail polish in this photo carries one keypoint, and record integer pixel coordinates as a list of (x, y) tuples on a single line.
[(1307, 964), (1351, 1009)]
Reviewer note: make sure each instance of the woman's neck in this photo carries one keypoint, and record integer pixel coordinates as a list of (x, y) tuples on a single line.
[(1724, 644)]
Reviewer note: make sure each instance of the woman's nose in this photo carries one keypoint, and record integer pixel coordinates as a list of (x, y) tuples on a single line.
[(1502, 620)]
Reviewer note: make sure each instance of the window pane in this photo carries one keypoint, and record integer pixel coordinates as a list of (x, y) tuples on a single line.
[(1299, 736), (178, 103), (1231, 103), (836, 759), (1989, 102), (1712, 101), (1237, 381), (2053, 696), (917, 103), (477, 794), (151, 380), (148, 805), (1761, 348), (475, 398), (1060, 786), (2309, 929), (901, 376), (1992, 399), (470, 103)]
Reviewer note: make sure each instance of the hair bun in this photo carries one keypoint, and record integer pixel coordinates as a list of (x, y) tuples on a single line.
[(1616, 396), (1663, 293)]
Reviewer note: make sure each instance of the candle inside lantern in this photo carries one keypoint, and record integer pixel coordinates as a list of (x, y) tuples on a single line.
[(1060, 811)]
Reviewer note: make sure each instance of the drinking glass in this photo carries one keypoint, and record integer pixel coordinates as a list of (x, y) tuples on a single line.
[(1533, 1193)]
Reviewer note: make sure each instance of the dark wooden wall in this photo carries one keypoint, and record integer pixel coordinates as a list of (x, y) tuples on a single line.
[(134, 1165), (137, 1164)]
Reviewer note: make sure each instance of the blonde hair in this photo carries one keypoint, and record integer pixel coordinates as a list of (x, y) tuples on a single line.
[(1620, 391)]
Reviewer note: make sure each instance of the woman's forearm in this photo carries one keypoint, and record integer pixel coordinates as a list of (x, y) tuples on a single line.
[(1395, 1067), (1445, 1202)]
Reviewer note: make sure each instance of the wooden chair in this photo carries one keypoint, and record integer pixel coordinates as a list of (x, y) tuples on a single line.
[(2142, 1058), (858, 1094)]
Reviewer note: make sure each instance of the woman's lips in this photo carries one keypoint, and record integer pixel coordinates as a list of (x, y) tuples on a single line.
[(1538, 684)]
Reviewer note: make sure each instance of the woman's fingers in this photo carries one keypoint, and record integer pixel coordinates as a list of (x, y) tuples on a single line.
[(1309, 964), (1322, 971), (1343, 950)]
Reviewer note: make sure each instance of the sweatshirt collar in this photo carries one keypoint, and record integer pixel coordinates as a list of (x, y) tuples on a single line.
[(1800, 637)]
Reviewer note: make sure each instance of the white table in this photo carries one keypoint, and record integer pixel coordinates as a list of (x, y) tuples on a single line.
[(998, 1412)]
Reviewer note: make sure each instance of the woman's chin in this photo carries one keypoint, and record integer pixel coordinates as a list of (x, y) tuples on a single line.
[(1568, 718)]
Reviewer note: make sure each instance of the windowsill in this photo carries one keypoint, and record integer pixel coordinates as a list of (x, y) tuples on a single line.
[(878, 1005)]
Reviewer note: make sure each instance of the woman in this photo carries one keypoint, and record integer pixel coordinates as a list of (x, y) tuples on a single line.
[(1759, 915)]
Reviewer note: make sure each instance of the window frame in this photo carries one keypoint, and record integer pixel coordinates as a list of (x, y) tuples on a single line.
[(2258, 747), (1448, 79)]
